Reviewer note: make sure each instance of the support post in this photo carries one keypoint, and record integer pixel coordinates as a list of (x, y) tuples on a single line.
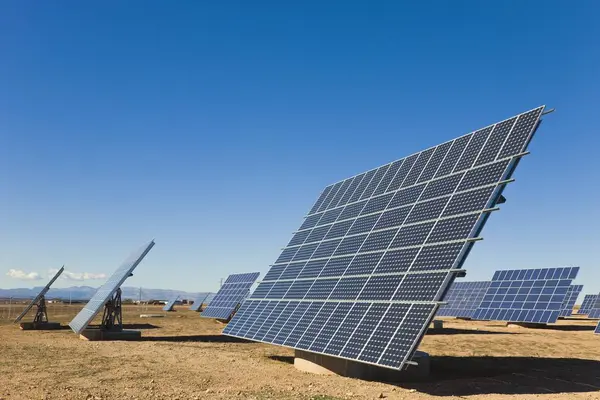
[(41, 314), (112, 319)]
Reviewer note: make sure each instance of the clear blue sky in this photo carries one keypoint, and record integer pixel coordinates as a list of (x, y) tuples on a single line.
[(213, 126)]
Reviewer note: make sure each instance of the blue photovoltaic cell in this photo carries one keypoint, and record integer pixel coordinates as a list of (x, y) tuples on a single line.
[(463, 299), (595, 311), (198, 301), (566, 308), (40, 294), (526, 295), (170, 303), (588, 303), (106, 291), (363, 276), (234, 290)]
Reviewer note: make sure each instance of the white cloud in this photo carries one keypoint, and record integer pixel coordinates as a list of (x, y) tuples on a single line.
[(79, 276), (25, 276)]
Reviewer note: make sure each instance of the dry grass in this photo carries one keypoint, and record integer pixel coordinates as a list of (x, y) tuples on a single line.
[(184, 357)]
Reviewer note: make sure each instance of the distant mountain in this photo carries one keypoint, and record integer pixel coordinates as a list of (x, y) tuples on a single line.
[(86, 292)]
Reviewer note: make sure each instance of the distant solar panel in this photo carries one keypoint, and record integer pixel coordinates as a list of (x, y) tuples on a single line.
[(462, 299), (597, 330), (526, 295), (106, 291), (198, 301), (566, 309), (588, 303), (170, 303), (595, 311), (235, 289), (39, 296), (362, 277)]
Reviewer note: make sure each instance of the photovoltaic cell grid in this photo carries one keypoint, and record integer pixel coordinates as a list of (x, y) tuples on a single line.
[(595, 311), (566, 308), (40, 294), (108, 289), (588, 303), (235, 289), (198, 301), (462, 299), (362, 277), (170, 303), (526, 295)]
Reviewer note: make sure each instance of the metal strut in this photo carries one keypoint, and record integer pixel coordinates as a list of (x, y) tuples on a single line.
[(41, 315), (112, 319)]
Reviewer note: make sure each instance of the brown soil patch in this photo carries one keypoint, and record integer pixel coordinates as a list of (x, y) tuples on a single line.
[(183, 356)]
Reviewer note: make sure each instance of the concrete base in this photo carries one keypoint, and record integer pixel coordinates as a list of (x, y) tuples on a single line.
[(326, 365), (438, 324), (29, 326), (98, 334), (152, 315), (532, 325)]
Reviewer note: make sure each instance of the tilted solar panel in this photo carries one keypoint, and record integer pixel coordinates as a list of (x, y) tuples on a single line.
[(234, 290), (106, 291), (588, 303), (362, 277), (597, 330), (198, 301), (462, 299), (170, 303), (526, 295), (40, 294), (595, 311), (566, 309)]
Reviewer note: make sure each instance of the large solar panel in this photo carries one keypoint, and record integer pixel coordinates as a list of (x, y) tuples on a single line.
[(363, 276), (198, 301), (170, 303), (595, 311), (235, 289), (462, 299), (106, 291), (526, 295), (588, 303), (568, 304), (40, 294)]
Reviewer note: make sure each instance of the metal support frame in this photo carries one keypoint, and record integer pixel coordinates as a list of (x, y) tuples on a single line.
[(41, 314), (112, 319)]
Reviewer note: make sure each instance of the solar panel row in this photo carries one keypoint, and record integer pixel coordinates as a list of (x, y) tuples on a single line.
[(462, 299), (362, 277), (566, 309), (588, 303), (198, 301), (234, 290), (170, 303), (107, 290), (527, 295)]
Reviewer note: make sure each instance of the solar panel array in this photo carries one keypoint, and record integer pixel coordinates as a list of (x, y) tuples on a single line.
[(462, 299), (170, 303), (40, 294), (108, 289), (198, 301), (526, 295), (595, 311), (588, 303), (235, 289), (362, 277), (568, 304)]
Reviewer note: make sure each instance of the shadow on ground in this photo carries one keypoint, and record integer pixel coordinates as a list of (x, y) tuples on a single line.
[(195, 338), (467, 376), (567, 328), (455, 331), (140, 326), (283, 359)]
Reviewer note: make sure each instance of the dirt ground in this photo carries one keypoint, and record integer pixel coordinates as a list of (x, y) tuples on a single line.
[(182, 356)]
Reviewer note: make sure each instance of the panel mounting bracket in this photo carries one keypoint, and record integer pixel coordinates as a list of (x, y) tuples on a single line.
[(41, 314), (112, 319)]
